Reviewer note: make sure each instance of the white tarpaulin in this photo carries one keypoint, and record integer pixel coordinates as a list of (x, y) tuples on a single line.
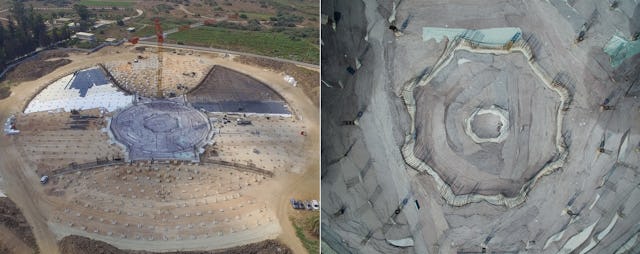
[(61, 95)]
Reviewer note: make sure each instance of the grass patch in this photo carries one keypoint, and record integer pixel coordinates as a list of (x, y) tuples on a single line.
[(308, 8), (258, 16), (150, 29), (106, 3), (167, 23), (275, 44), (306, 224)]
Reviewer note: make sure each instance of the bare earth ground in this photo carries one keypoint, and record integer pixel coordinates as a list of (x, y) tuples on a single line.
[(15, 232), (38, 66), (79, 245), (90, 202), (139, 74), (308, 79)]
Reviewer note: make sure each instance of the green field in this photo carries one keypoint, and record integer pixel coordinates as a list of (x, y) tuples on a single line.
[(312, 245), (107, 3), (258, 16), (148, 23), (258, 42), (309, 8)]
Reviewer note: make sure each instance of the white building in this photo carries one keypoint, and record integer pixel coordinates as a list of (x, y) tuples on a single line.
[(86, 36), (62, 21)]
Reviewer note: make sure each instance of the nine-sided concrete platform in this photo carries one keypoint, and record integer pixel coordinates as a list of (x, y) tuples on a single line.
[(162, 130)]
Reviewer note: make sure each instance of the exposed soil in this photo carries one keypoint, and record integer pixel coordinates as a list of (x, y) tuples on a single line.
[(14, 227), (43, 64), (77, 244), (224, 84), (53, 54), (309, 222), (308, 80)]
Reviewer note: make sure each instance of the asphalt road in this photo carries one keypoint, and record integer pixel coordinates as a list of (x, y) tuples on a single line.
[(217, 50)]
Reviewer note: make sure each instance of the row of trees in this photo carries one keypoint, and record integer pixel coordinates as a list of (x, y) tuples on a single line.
[(285, 19), (25, 32)]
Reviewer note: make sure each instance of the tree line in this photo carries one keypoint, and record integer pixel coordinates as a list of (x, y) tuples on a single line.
[(25, 32)]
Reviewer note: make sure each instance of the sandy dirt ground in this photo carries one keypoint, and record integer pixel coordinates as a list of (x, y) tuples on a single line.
[(38, 66), (181, 72), (53, 149), (364, 173), (80, 245), (86, 203), (15, 232), (10, 243)]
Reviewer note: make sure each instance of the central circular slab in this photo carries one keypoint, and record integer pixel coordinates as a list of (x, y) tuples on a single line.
[(488, 125), (161, 123), (161, 130)]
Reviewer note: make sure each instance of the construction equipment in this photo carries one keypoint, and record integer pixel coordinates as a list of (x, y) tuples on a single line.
[(513, 40), (585, 27), (134, 40), (604, 107), (358, 116), (353, 122), (160, 37)]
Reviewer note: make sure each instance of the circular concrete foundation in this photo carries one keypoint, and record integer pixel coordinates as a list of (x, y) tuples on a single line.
[(161, 130), (488, 125)]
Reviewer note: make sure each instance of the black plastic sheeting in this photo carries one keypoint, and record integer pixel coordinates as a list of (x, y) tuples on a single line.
[(260, 107), (86, 79)]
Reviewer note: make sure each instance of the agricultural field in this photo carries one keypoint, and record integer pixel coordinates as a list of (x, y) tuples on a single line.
[(285, 29), (259, 42), (107, 3)]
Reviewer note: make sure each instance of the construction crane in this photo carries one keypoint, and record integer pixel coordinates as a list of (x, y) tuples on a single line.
[(160, 37)]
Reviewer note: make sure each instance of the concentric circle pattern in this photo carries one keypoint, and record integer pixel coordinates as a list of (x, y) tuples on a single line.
[(479, 131), (161, 130)]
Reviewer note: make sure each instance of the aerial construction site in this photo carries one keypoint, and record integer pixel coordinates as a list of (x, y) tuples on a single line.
[(480, 126), (197, 151)]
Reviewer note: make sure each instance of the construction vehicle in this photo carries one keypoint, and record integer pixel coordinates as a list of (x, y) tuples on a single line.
[(353, 122), (134, 40), (243, 122), (606, 107), (358, 116)]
